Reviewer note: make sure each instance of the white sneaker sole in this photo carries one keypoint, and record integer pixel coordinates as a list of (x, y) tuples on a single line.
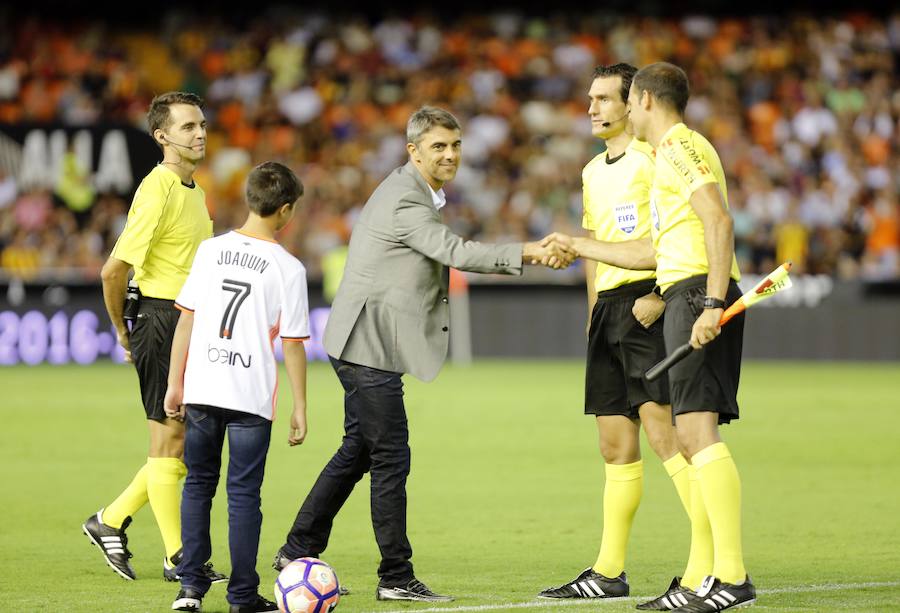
[(580, 597), (393, 596)]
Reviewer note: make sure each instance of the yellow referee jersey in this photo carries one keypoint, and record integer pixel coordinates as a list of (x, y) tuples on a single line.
[(685, 161), (166, 223), (617, 206)]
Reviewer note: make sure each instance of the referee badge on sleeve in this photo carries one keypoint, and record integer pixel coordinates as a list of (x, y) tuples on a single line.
[(626, 216)]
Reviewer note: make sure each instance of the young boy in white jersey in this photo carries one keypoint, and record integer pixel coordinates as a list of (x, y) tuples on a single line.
[(243, 290)]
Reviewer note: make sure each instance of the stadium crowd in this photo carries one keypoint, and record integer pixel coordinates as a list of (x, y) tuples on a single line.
[(804, 111)]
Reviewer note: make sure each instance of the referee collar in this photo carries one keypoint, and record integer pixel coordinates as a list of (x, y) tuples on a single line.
[(193, 183), (610, 160)]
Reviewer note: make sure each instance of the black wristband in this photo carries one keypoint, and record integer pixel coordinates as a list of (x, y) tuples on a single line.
[(713, 303)]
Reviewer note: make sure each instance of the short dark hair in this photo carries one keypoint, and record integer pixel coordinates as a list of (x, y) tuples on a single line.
[(270, 186), (626, 71), (667, 82), (425, 119), (159, 117)]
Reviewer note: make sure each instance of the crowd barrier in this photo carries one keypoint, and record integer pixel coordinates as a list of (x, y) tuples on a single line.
[(818, 319)]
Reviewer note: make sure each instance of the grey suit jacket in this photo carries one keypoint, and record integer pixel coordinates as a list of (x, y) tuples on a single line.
[(391, 310)]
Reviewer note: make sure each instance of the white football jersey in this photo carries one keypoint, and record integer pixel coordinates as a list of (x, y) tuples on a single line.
[(244, 291)]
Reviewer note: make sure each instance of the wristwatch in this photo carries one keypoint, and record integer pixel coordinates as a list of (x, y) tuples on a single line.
[(713, 303)]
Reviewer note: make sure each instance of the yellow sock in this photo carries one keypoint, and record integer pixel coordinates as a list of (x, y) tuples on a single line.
[(621, 497), (677, 467), (164, 491), (721, 488), (129, 501), (700, 560)]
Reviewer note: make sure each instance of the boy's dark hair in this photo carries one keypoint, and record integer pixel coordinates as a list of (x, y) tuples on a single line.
[(158, 116), (667, 82), (270, 186), (626, 71)]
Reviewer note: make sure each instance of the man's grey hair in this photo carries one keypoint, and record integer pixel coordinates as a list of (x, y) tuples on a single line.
[(425, 119)]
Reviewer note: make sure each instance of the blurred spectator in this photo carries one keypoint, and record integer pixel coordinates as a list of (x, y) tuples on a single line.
[(8, 189), (881, 259), (73, 187), (792, 240), (21, 256), (804, 111)]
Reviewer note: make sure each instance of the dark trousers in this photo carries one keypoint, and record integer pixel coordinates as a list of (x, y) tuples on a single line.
[(248, 444), (376, 439)]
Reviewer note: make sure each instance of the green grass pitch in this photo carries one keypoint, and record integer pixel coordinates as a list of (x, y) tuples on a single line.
[(504, 496)]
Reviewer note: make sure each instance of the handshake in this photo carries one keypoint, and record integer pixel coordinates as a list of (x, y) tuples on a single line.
[(555, 250)]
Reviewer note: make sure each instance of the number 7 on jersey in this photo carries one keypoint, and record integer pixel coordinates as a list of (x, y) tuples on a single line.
[(240, 291)]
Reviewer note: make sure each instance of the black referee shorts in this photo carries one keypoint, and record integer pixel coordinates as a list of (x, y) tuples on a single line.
[(151, 348), (620, 350), (707, 380)]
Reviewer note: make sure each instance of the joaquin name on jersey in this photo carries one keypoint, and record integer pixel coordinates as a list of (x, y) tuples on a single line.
[(243, 260)]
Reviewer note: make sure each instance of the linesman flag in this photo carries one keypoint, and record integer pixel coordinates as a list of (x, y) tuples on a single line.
[(776, 281)]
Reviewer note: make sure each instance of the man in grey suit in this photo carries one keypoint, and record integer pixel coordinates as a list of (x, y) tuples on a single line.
[(391, 316)]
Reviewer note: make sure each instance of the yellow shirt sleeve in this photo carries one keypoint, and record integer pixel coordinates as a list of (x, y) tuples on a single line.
[(690, 161), (143, 221)]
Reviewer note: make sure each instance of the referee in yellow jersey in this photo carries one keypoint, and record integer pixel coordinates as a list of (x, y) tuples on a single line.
[(167, 221), (697, 273), (625, 334)]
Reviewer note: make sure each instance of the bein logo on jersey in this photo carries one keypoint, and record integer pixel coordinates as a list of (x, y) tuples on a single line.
[(626, 217), (224, 356)]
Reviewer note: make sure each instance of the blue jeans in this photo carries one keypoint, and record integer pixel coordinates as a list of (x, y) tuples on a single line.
[(376, 440), (248, 444)]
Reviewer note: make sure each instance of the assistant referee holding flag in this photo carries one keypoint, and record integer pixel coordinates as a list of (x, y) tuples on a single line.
[(697, 272), (166, 223)]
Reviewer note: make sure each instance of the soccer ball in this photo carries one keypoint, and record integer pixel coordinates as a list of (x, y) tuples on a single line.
[(307, 585)]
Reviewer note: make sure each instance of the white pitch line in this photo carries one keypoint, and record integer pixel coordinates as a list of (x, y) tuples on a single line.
[(533, 604)]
